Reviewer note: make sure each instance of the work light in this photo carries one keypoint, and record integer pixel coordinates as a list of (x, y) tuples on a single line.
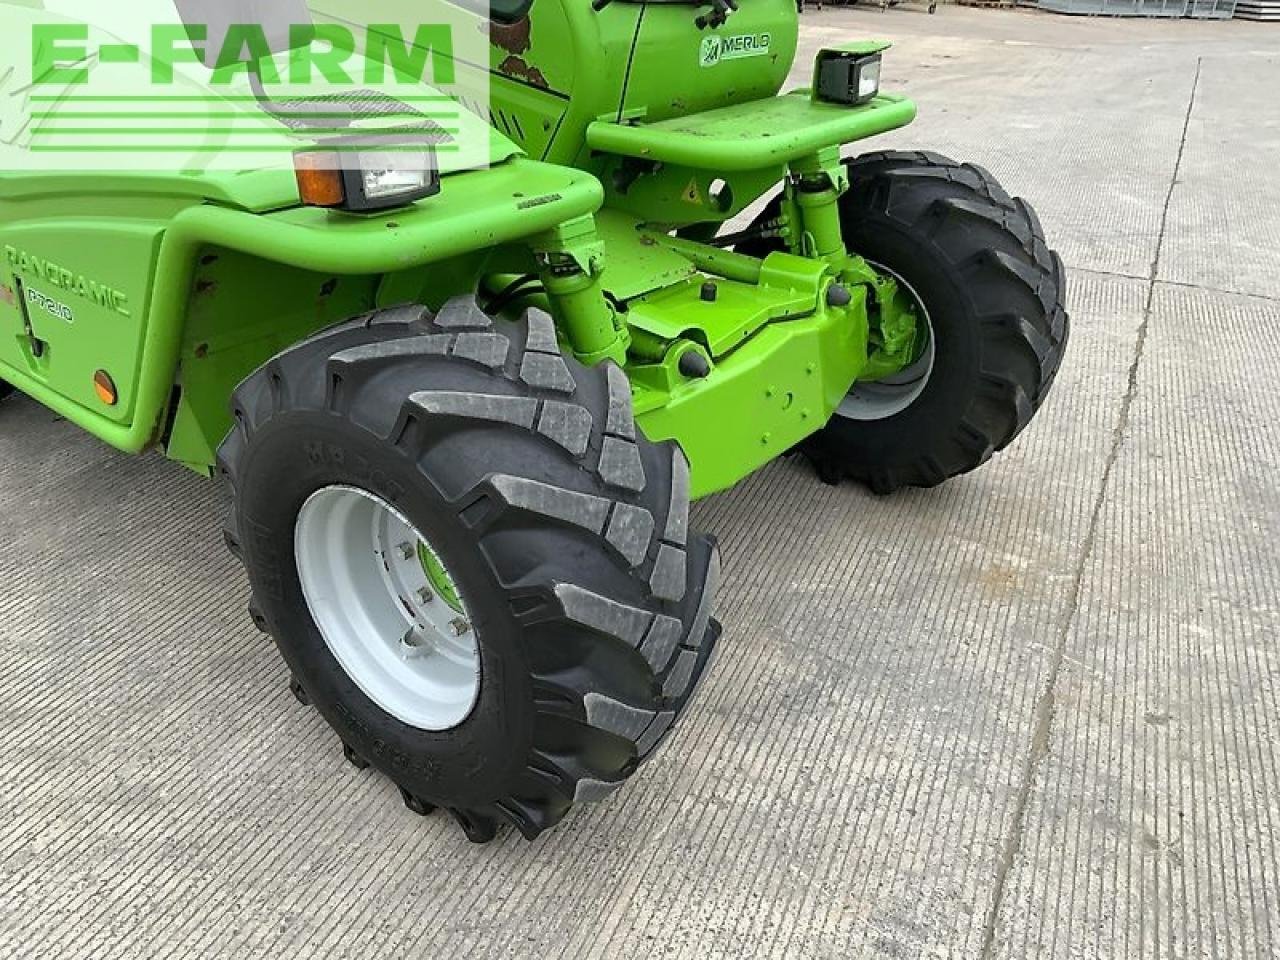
[(342, 175), (849, 78)]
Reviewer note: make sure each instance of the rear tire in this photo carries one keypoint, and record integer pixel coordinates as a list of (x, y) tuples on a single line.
[(978, 263), (564, 531)]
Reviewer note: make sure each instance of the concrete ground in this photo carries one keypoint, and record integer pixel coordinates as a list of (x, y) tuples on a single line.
[(1033, 713)]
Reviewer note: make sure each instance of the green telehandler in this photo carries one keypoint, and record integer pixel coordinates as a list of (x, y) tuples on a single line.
[(462, 411)]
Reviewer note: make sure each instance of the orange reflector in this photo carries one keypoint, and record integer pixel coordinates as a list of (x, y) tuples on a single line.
[(319, 184), (105, 388)]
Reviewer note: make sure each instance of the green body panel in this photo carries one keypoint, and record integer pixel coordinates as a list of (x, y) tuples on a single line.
[(60, 270), (476, 210), (622, 140), (684, 197), (224, 338), (668, 78), (636, 264), (566, 66), (781, 358), (257, 191), (760, 400)]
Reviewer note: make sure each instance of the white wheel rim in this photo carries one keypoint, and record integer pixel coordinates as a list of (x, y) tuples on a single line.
[(881, 399), (364, 573)]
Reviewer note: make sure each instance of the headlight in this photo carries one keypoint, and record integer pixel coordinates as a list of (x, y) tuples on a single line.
[(382, 178), (844, 77), (343, 174)]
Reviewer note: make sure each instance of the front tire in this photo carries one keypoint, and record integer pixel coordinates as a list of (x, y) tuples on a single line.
[(571, 571), (978, 265)]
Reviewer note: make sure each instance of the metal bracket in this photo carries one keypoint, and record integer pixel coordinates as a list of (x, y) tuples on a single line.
[(826, 162), (574, 241)]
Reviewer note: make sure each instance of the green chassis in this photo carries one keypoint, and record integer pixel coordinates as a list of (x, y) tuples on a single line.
[(209, 278)]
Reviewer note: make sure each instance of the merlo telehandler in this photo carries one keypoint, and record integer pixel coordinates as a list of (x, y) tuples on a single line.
[(461, 414)]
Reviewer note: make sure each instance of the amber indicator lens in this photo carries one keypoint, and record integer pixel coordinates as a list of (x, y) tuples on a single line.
[(105, 387), (319, 183)]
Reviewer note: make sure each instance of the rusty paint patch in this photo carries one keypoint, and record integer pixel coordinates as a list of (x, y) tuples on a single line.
[(512, 37), (517, 68), (7, 296)]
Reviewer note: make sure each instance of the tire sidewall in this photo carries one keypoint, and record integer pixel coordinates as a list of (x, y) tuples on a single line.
[(300, 453)]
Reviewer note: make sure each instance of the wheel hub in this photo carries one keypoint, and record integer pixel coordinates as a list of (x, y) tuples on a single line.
[(889, 396), (387, 608)]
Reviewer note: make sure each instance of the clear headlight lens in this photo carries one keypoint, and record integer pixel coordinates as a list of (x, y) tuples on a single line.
[(384, 176), (869, 79)]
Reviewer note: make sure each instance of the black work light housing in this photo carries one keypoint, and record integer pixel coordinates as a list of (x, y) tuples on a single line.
[(368, 173), (847, 77)]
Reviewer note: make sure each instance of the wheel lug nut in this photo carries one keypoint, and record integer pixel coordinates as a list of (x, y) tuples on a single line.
[(461, 627), (406, 550), (413, 643), (425, 595)]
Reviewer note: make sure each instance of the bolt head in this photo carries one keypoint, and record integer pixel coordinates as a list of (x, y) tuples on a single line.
[(414, 644), (838, 295)]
